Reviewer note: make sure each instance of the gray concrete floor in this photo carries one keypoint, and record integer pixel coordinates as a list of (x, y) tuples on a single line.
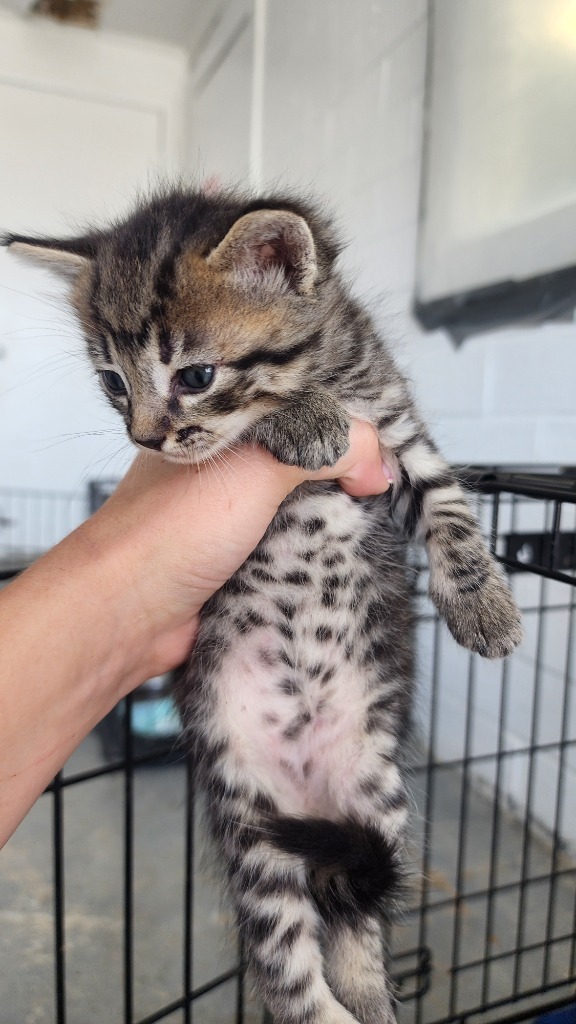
[(93, 813), (488, 928), (94, 900)]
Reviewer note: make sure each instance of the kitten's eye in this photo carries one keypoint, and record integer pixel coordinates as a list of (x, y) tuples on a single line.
[(113, 382), (197, 377)]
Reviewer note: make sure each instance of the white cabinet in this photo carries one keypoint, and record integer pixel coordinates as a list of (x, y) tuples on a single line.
[(86, 118)]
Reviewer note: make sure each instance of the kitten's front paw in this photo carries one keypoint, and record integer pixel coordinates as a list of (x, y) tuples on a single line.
[(485, 620), (306, 436)]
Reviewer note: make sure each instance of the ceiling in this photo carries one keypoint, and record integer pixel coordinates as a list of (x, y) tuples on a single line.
[(179, 22)]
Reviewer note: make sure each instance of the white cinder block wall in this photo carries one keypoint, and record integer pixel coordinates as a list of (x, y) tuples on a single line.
[(342, 101), (329, 96)]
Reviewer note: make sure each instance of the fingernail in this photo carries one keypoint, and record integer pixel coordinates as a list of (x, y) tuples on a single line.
[(388, 473)]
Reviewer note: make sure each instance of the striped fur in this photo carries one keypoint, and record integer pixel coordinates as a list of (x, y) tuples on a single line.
[(296, 698)]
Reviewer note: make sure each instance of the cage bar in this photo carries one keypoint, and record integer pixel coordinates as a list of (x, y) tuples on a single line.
[(445, 970)]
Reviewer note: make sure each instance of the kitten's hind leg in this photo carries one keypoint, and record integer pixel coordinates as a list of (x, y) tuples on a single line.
[(355, 968), (370, 882), (356, 874), (280, 924), (352, 903)]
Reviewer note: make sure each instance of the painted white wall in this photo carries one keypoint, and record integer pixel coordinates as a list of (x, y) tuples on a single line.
[(221, 89), (221, 99), (343, 116), (86, 119), (500, 194)]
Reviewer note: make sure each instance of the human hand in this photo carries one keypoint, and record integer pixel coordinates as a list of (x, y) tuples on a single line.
[(176, 533)]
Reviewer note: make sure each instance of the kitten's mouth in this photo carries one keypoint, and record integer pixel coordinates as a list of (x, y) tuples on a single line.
[(189, 458), (190, 454), (190, 448)]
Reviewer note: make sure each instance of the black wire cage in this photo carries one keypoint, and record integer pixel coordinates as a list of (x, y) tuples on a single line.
[(108, 896)]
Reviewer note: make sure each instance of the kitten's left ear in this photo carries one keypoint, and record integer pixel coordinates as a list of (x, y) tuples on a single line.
[(267, 247), (65, 257)]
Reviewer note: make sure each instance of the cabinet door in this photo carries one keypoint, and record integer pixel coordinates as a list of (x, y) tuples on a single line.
[(65, 159)]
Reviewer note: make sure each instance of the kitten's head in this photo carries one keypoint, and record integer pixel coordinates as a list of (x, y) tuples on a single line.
[(201, 313)]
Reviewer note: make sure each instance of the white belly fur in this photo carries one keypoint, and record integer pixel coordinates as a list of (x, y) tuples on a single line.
[(315, 772)]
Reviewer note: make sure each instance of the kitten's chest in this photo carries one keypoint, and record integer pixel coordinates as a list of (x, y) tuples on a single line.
[(310, 601), (311, 559), (293, 617)]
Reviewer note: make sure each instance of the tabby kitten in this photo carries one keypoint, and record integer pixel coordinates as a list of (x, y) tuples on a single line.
[(212, 320)]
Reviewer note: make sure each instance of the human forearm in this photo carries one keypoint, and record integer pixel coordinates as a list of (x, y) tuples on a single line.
[(113, 604), (62, 668)]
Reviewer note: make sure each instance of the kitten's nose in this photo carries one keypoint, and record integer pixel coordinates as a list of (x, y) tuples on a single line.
[(150, 442)]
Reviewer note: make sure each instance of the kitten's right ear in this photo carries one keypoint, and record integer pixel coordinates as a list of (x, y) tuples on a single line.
[(65, 257)]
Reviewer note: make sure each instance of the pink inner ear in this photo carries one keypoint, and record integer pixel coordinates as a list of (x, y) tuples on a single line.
[(267, 253)]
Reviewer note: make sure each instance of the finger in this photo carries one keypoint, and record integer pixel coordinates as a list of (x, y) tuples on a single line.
[(366, 477), (361, 471)]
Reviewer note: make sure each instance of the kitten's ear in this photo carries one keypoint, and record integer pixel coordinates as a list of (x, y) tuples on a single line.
[(269, 247), (65, 257)]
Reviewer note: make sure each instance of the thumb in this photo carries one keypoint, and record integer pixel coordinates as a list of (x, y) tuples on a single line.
[(361, 471)]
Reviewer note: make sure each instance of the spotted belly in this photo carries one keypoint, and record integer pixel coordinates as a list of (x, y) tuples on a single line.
[(292, 692)]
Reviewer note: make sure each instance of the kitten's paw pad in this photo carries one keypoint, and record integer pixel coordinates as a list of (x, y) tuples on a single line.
[(486, 621)]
